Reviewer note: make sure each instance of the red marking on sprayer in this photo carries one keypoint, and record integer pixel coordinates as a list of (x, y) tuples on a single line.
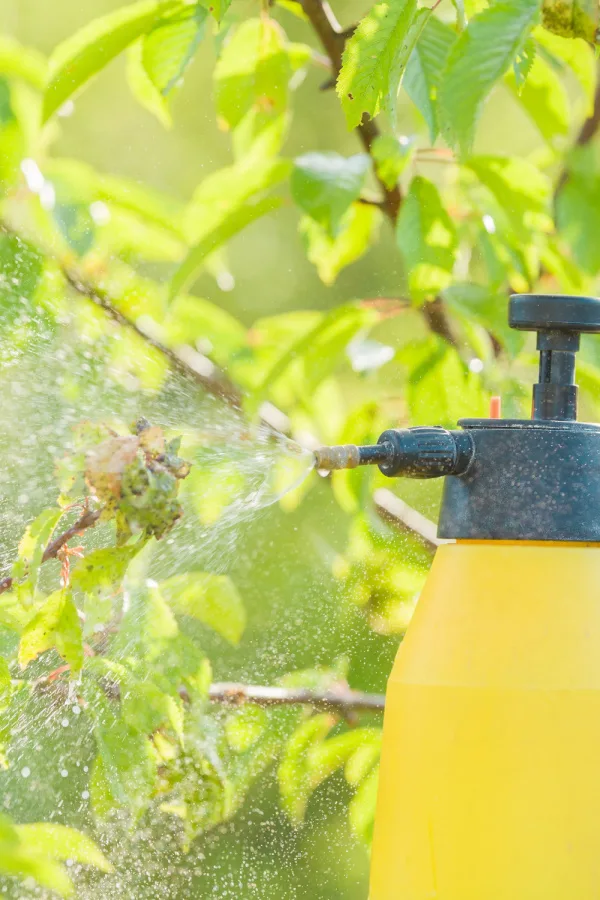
[(495, 407)]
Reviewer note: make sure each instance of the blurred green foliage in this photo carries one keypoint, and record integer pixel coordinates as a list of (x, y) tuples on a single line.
[(214, 249)]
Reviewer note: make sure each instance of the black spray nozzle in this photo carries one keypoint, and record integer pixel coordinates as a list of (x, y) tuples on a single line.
[(411, 452)]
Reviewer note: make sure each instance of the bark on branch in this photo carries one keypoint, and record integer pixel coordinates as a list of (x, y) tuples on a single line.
[(87, 520), (183, 360), (342, 701), (588, 131)]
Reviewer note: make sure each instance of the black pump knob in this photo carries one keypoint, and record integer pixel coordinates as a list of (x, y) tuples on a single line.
[(554, 312), (558, 320)]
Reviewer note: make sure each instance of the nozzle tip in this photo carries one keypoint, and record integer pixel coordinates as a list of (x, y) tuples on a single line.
[(344, 456)]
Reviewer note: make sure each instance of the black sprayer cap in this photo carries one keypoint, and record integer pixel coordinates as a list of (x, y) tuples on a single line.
[(558, 320)]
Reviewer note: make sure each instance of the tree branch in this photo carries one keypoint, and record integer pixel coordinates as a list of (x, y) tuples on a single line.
[(406, 519), (587, 132), (184, 360), (87, 520), (343, 701), (333, 38)]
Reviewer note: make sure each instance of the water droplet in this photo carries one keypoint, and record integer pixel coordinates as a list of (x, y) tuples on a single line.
[(25, 771), (64, 773)]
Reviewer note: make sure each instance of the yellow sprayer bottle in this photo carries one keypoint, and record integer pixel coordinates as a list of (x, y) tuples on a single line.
[(490, 772)]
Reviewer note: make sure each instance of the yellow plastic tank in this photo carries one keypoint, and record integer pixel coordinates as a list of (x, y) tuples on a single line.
[(490, 774)]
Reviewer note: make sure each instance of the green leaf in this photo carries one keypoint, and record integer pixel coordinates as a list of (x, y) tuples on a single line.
[(375, 58), (228, 228), (439, 383), (5, 680), (58, 842), (478, 59), (212, 599), (25, 63), (84, 54), (252, 75), (363, 805), (481, 304), (76, 225), (169, 48), (577, 55), (102, 570), (56, 625), (31, 550), (192, 319), (295, 783), (519, 187), (309, 759), (424, 71), (313, 353), (124, 772), (18, 858), (324, 185), (227, 190), (427, 238), (245, 728), (142, 87), (294, 7), (357, 230), (578, 219), (523, 63), (391, 157), (545, 100), (145, 708), (218, 8), (21, 267)]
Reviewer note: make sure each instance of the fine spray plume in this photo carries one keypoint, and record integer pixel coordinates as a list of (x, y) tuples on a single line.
[(237, 472)]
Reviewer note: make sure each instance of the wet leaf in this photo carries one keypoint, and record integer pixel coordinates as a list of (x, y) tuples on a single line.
[(212, 599), (357, 231), (59, 842), (31, 550), (375, 58), (84, 54), (427, 238), (170, 46), (57, 626), (324, 185), (478, 59), (424, 71)]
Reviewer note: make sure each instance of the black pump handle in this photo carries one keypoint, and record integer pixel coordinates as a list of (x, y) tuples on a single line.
[(559, 320)]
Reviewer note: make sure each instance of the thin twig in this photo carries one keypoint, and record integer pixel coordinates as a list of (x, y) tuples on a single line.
[(406, 519), (87, 520), (342, 701)]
